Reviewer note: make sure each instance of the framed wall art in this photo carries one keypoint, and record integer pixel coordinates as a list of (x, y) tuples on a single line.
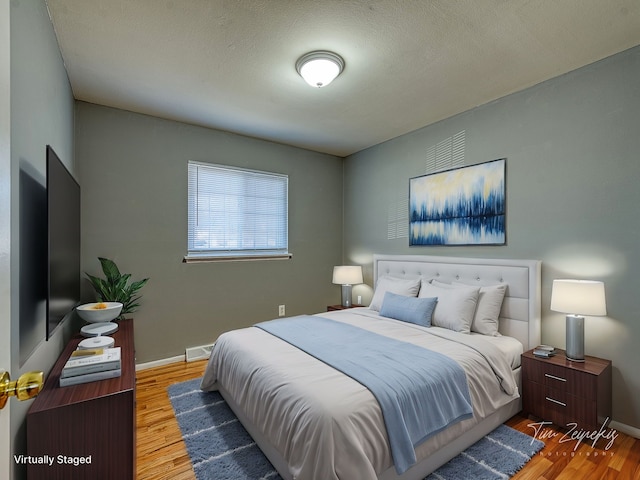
[(462, 206)]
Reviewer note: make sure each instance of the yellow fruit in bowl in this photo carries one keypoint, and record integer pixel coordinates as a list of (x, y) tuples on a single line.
[(100, 306)]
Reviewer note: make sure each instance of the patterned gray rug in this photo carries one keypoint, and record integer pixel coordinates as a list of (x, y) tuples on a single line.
[(221, 449)]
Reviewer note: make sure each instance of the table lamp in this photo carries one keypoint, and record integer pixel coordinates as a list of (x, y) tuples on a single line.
[(347, 276), (577, 298)]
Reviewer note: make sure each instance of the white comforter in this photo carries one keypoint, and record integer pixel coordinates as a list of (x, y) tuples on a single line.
[(326, 425)]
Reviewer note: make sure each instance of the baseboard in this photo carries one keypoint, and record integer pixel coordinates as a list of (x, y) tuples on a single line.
[(624, 428), (160, 363)]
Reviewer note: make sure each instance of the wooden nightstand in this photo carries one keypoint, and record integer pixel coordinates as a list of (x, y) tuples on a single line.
[(340, 307), (560, 391)]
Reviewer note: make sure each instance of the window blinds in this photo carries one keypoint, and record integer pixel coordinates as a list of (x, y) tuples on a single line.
[(234, 212)]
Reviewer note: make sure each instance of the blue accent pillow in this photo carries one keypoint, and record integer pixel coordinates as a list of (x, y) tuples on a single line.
[(408, 309)]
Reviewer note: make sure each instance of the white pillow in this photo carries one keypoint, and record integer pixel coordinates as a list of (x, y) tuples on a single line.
[(456, 305), (400, 286), (485, 320)]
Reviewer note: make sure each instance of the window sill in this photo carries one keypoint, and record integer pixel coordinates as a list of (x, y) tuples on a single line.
[(234, 257)]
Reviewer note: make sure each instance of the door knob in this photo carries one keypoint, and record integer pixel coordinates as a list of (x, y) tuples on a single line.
[(27, 386)]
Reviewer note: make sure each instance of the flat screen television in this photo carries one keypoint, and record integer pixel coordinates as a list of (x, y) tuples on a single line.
[(63, 231)]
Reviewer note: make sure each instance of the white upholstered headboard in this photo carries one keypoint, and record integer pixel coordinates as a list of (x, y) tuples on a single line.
[(520, 314)]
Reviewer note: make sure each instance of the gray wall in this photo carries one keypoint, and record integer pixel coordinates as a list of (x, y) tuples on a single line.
[(42, 110), (572, 146), (133, 173)]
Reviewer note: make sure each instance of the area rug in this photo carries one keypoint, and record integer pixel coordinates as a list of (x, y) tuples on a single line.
[(221, 449)]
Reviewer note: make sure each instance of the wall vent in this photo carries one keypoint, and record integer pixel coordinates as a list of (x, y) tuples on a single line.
[(446, 154), (201, 352)]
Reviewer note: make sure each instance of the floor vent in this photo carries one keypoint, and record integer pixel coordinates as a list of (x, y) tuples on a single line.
[(198, 353)]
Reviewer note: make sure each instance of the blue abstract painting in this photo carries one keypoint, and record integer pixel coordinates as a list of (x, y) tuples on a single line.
[(464, 206)]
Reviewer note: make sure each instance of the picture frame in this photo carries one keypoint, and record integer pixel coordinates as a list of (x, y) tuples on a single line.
[(461, 206)]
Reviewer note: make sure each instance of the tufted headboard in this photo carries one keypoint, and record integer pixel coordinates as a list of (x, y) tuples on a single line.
[(520, 314)]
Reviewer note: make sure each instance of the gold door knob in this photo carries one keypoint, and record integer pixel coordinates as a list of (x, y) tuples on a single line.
[(27, 386)]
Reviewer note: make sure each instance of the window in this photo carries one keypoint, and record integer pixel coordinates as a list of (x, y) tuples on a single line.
[(236, 213)]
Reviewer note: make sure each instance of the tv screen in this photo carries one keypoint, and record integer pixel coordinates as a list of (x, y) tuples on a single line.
[(63, 224)]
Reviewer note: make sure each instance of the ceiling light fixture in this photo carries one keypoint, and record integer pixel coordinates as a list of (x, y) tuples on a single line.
[(319, 68)]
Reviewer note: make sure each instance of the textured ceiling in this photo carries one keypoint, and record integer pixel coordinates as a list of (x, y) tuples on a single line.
[(230, 64)]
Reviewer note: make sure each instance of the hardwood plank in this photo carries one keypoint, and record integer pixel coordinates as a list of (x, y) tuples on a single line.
[(161, 454)]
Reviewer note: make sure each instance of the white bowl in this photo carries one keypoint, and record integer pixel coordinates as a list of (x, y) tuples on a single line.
[(89, 313)]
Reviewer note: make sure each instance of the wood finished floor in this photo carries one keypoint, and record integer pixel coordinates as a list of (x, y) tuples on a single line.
[(161, 453)]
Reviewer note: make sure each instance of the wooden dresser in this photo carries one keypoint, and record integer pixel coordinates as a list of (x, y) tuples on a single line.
[(561, 391), (87, 430)]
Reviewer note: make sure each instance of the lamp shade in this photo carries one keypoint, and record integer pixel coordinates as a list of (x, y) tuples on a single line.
[(347, 275), (319, 68), (582, 297)]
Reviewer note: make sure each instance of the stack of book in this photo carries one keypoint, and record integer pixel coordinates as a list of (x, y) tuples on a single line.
[(544, 351), (90, 365)]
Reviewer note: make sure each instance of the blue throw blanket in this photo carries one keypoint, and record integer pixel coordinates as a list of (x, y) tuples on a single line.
[(420, 392)]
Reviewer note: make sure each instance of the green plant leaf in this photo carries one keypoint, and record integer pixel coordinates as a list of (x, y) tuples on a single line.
[(100, 286), (110, 269), (135, 286)]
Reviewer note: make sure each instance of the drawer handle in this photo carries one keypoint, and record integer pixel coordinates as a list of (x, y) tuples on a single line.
[(556, 401), (555, 378)]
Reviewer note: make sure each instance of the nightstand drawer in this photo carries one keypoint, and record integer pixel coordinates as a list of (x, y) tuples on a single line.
[(562, 408), (558, 406), (581, 384)]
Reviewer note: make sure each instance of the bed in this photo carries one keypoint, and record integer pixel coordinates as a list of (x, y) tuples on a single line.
[(314, 422)]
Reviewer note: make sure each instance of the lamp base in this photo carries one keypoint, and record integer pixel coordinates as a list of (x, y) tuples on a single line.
[(346, 296), (575, 338)]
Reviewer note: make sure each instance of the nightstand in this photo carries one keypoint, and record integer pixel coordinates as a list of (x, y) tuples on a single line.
[(340, 307), (560, 391)]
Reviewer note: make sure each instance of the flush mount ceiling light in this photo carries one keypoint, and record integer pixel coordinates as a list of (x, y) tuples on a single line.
[(319, 68)]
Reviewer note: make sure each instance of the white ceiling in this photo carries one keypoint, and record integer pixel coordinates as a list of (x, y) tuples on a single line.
[(230, 64)]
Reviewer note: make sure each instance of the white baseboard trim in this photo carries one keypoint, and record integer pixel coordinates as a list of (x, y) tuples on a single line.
[(624, 428), (160, 363)]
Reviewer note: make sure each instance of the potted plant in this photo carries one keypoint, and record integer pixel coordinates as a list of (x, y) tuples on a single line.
[(116, 286)]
